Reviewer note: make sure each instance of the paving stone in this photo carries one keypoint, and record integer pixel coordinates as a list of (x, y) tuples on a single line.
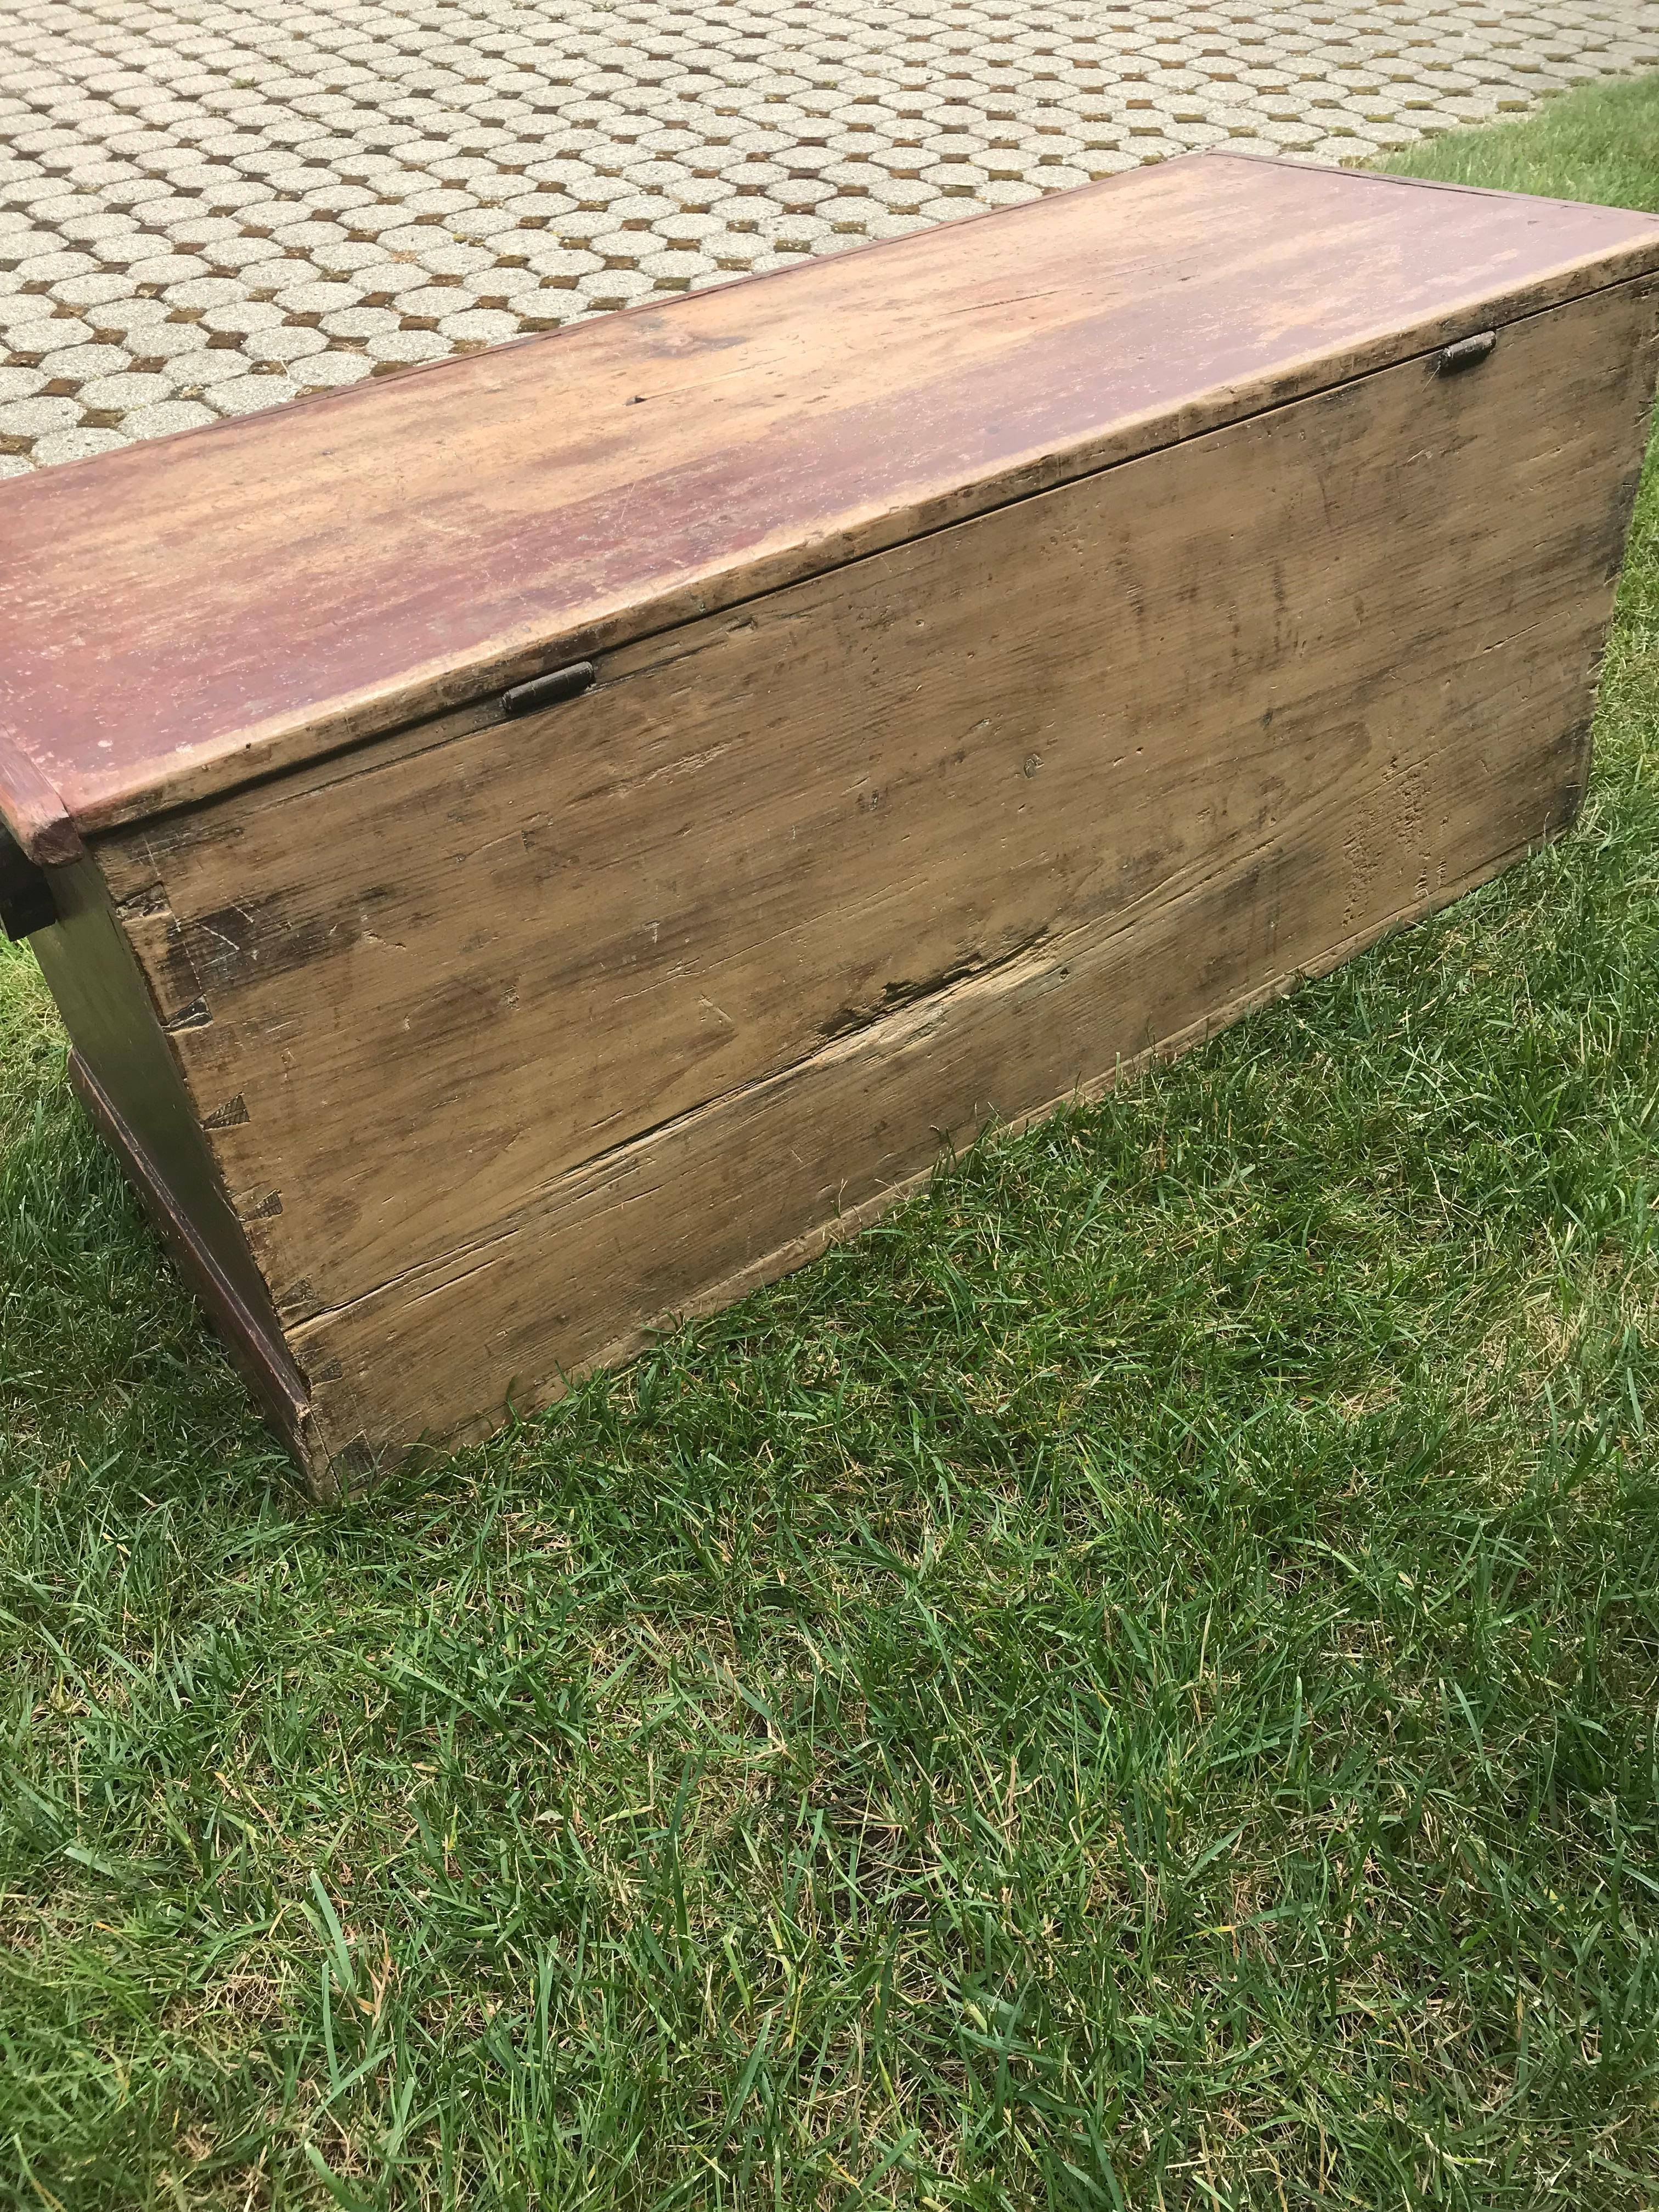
[(29, 342), (323, 371), (240, 317), (452, 259), (30, 418), (246, 392), (170, 414), (359, 322), (74, 446), (162, 341), (323, 190), (479, 326), (287, 342), (231, 256), (124, 391), (317, 297), (407, 346), (615, 287), (81, 362)]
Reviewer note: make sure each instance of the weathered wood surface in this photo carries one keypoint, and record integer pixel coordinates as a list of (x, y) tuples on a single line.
[(101, 992), (507, 1039), (179, 616), (129, 1082), (244, 1325)]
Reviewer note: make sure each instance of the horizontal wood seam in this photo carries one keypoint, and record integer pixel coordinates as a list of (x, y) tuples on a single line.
[(881, 1036), (801, 1250)]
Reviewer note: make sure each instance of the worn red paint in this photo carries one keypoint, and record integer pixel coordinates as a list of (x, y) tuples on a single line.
[(179, 617)]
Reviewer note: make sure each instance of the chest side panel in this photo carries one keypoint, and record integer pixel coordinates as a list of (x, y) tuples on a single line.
[(446, 986)]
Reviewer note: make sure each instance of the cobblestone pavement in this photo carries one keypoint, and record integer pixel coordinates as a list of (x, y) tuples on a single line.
[(208, 207)]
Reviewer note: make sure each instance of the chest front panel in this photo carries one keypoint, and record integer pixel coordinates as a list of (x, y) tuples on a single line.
[(429, 994)]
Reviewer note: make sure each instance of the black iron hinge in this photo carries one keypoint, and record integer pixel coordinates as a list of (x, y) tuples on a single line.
[(548, 690), (1466, 353), (26, 900)]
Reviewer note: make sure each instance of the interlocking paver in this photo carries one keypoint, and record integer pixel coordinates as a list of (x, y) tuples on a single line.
[(222, 205)]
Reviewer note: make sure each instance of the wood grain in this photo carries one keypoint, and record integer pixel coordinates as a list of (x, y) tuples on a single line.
[(254, 1344), (183, 616), (506, 1039), (679, 1224), (129, 1081), (102, 993)]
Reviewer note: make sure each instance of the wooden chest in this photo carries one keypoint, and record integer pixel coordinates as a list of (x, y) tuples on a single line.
[(533, 847)]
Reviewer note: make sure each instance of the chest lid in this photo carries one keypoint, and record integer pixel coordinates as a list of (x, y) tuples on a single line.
[(184, 615)]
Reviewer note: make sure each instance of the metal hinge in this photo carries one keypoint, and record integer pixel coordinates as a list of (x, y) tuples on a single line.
[(26, 900), (548, 690), (1467, 353)]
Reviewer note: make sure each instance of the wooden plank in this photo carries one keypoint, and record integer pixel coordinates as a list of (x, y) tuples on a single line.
[(677, 1224), (744, 930), (127, 1059), (33, 810), (128, 1079), (184, 615), (255, 1346)]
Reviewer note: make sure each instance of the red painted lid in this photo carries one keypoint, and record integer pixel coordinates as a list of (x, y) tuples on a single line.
[(184, 614)]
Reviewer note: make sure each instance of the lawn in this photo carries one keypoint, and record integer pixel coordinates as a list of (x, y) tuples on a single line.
[(1136, 1683)]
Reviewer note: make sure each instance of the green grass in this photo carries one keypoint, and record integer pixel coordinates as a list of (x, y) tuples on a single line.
[(1134, 1683), (1600, 143)]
